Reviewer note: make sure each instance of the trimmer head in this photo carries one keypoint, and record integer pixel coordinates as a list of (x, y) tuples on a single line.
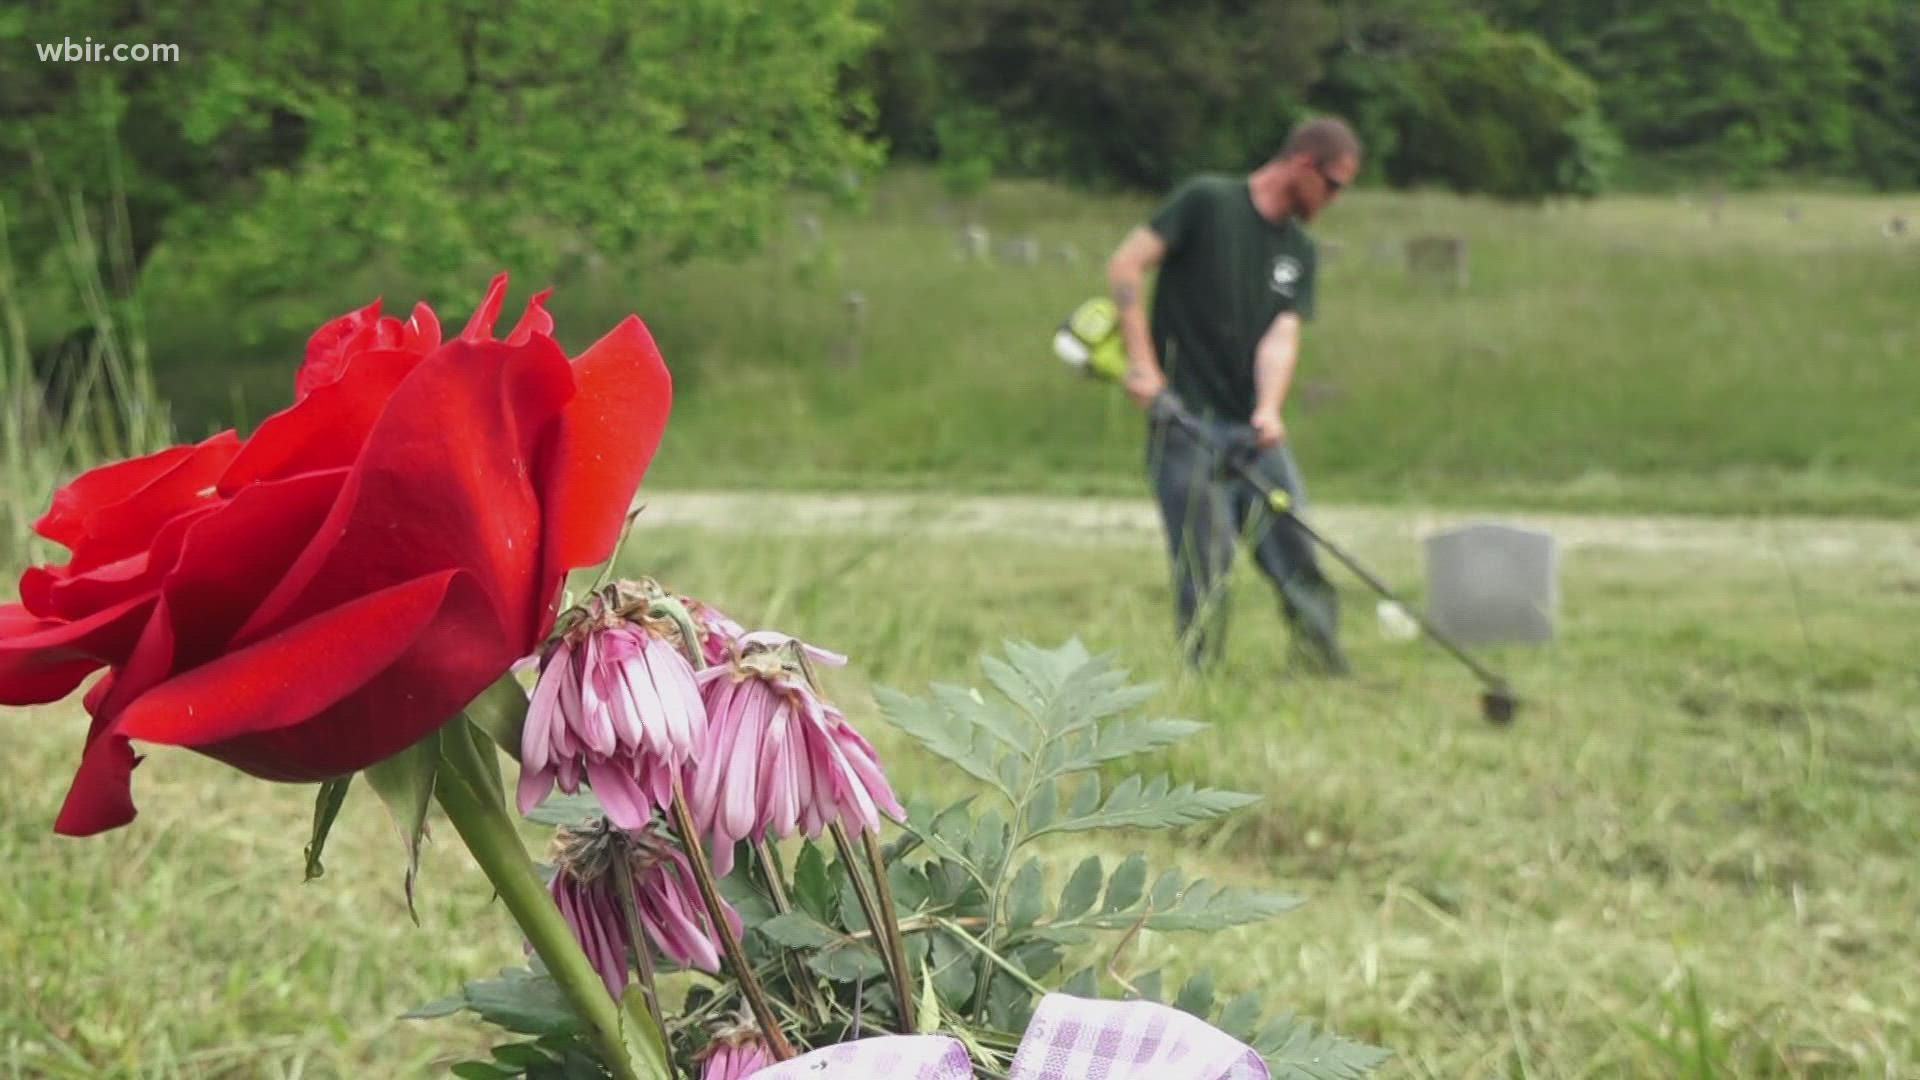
[(1499, 705)]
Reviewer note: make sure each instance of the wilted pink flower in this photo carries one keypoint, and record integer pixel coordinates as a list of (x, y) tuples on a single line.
[(616, 705), (718, 632), (586, 888), (777, 757), (722, 638), (734, 1056)]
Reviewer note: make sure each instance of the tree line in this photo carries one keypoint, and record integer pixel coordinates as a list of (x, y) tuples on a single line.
[(287, 144), (1515, 98)]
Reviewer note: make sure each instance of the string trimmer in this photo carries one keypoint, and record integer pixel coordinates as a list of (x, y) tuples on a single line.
[(1090, 341)]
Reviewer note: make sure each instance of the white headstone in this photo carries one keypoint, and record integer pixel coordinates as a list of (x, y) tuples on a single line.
[(1493, 583), (975, 243), (1023, 250)]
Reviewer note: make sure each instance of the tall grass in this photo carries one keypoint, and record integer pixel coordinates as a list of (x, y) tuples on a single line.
[(1634, 352), (109, 407), (1690, 857)]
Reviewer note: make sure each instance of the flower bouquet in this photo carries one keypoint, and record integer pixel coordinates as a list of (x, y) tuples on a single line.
[(373, 585)]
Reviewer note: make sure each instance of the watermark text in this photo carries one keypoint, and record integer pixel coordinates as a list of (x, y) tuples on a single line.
[(88, 51)]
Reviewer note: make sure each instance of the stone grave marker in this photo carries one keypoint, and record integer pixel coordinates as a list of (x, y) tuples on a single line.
[(1490, 582), (1440, 257)]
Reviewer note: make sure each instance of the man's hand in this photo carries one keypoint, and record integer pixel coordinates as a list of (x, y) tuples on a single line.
[(1144, 384), (1269, 430)]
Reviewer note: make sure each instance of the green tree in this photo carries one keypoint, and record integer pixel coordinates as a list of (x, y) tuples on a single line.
[(1442, 95), (1137, 92), (291, 142), (1741, 87)]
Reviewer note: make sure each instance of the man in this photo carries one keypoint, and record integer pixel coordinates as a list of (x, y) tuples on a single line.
[(1236, 279)]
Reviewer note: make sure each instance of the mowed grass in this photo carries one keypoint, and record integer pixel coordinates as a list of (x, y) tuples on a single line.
[(1630, 352), (1692, 856)]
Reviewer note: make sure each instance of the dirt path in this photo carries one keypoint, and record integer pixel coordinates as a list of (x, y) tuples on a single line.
[(1133, 521)]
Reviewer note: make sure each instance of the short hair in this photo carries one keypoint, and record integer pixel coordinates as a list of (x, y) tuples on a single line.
[(1325, 139)]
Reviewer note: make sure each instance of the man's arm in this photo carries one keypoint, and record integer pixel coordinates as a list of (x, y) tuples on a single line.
[(1126, 275), (1274, 360)]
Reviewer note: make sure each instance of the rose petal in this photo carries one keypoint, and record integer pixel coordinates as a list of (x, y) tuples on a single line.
[(535, 320), (291, 676), (607, 437), (43, 660), (324, 429), (474, 418), (480, 327), (104, 528)]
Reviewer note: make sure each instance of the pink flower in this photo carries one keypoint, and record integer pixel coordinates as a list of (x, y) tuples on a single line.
[(718, 632), (586, 888), (592, 909), (722, 638), (777, 757), (616, 705), (735, 1060)]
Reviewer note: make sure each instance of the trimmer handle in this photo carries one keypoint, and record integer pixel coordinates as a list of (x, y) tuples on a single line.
[(1166, 407)]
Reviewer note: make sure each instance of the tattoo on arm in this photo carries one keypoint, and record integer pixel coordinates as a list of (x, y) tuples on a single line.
[(1124, 296)]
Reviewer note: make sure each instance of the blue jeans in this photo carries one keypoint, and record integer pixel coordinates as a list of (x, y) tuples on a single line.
[(1206, 508)]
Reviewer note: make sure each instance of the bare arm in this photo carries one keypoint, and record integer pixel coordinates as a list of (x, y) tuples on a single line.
[(1274, 361), (1141, 251)]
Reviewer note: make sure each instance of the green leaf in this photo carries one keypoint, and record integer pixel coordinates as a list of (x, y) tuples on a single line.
[(1086, 799), (1132, 805), (480, 1070), (404, 783), (1196, 997), (847, 963), (1120, 739), (834, 955), (1206, 907), (1085, 983), (500, 712), (1200, 906), (326, 807), (1147, 987), (1124, 887), (437, 1008), (798, 930), (746, 899), (852, 915), (1295, 1051), (969, 747), (478, 748), (911, 890), (813, 887), (1012, 682), (1065, 690), (1025, 903), (953, 971), (562, 809), (926, 1017), (1044, 808), (1037, 957), (640, 1033), (521, 1056), (518, 1000), (966, 706), (1082, 889), (1238, 1018), (1166, 890), (987, 848)]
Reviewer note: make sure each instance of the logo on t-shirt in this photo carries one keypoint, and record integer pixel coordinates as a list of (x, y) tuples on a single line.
[(1286, 275)]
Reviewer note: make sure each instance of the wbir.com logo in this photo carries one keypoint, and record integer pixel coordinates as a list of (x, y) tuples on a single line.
[(89, 51)]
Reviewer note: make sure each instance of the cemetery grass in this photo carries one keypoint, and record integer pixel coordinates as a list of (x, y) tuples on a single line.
[(1691, 856), (1622, 354)]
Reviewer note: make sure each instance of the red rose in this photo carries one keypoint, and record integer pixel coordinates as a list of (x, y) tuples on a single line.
[(322, 595)]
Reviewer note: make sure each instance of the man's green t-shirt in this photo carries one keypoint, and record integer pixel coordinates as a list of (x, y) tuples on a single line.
[(1228, 273)]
